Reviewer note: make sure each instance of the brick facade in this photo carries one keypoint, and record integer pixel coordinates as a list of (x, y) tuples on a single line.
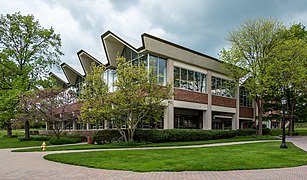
[(246, 112), (190, 96), (223, 101)]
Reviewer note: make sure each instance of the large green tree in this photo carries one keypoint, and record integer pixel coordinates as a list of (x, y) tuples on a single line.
[(27, 52), (247, 58), (138, 97), (287, 69)]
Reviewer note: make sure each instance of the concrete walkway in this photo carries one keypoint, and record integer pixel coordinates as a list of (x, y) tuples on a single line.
[(31, 165)]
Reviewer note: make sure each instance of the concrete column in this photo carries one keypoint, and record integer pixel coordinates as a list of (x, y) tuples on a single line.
[(74, 124), (47, 126), (236, 116), (207, 115), (169, 117), (106, 124), (168, 121), (87, 125), (63, 125)]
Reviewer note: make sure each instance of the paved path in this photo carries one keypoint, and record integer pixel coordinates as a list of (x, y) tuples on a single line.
[(33, 166)]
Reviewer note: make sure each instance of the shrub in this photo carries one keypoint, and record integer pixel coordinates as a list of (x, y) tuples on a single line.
[(35, 138), (265, 131), (106, 136), (64, 140), (246, 132)]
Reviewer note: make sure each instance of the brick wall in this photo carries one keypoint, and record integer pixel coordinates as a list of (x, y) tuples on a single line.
[(190, 96), (246, 112), (223, 101)]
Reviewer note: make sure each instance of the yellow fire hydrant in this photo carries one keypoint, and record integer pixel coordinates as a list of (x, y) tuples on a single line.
[(43, 146)]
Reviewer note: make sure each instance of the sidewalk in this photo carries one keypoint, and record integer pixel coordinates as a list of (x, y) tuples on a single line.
[(31, 165)]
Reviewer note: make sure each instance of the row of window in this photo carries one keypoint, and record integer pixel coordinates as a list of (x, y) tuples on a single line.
[(222, 87), (190, 80), (109, 77), (245, 100), (157, 64)]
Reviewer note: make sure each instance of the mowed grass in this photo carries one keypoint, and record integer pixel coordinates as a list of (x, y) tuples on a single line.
[(223, 158), (120, 145), (6, 142)]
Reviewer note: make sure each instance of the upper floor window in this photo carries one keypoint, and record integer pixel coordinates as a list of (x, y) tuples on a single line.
[(78, 85), (110, 77), (222, 87), (188, 79), (245, 99)]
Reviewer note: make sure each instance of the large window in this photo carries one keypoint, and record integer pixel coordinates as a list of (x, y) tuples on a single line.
[(222, 87), (245, 99), (157, 64), (110, 77), (78, 85), (190, 80)]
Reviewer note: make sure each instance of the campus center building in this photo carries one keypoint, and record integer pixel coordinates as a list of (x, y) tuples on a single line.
[(202, 97)]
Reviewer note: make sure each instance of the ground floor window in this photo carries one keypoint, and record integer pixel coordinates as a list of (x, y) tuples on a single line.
[(188, 119)]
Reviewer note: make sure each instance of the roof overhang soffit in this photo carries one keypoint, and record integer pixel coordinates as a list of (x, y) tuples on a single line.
[(70, 73), (86, 61)]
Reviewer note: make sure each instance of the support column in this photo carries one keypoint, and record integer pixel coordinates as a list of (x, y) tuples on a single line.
[(236, 116), (169, 117), (207, 115), (74, 124), (63, 125), (168, 121), (47, 126), (106, 124), (87, 125)]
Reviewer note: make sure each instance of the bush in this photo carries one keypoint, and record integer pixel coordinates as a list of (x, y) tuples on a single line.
[(168, 135), (64, 140), (35, 138), (265, 131), (246, 132), (106, 136)]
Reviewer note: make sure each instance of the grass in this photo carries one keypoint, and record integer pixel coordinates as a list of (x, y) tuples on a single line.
[(223, 158), (6, 142), (300, 131), (123, 145)]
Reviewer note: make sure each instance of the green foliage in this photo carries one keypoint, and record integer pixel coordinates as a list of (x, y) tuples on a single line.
[(138, 97), (35, 138), (64, 140), (170, 135), (248, 58), (27, 53)]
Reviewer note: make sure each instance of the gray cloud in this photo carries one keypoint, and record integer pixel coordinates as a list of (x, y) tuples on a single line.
[(201, 25)]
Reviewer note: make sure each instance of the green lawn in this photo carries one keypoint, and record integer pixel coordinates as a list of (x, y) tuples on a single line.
[(6, 142), (223, 158), (300, 131), (105, 146)]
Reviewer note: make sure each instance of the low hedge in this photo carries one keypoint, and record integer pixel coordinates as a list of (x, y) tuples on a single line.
[(35, 138), (64, 140), (170, 135)]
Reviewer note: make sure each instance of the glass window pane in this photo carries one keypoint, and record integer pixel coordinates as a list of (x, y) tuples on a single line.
[(197, 82), (184, 78), (213, 85), (191, 80), (203, 82), (176, 76), (162, 71), (153, 64)]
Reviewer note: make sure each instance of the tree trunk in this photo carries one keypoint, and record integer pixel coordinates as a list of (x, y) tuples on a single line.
[(27, 129), (9, 129), (260, 115)]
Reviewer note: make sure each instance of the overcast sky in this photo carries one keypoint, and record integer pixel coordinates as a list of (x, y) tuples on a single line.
[(201, 25)]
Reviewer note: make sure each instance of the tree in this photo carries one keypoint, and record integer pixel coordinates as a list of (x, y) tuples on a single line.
[(27, 53), (48, 105), (247, 58), (287, 68), (137, 96)]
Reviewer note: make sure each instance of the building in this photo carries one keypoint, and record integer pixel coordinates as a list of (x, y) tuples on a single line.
[(202, 97)]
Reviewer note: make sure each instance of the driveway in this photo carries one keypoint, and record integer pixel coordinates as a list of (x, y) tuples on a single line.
[(33, 166)]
